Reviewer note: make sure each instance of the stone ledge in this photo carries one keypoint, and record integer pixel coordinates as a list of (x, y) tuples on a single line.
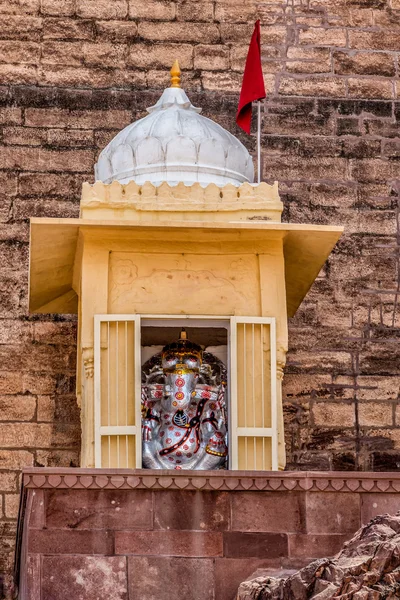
[(238, 481)]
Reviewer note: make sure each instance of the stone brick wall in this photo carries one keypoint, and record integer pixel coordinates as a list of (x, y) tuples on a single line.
[(74, 72)]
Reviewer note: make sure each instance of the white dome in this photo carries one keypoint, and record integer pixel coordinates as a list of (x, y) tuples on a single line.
[(174, 143)]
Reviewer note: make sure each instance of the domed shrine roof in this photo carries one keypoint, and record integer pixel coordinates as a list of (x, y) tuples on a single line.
[(175, 143)]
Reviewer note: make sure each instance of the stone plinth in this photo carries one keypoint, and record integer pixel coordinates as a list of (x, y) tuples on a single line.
[(126, 534)]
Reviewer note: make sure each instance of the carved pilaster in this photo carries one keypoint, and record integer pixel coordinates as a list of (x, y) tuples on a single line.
[(87, 411)]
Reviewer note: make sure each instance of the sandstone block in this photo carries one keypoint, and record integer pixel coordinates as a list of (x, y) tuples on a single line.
[(70, 138), (224, 81), (210, 58), (160, 56), (58, 458), (99, 509), (79, 161), (11, 505), (179, 32), (19, 7), (102, 9), (17, 408), (24, 136), (174, 510), (104, 575), (59, 29), (332, 512), (374, 40), (49, 184), (104, 55), (319, 36), (195, 11), (333, 414), (21, 27), (10, 382), (364, 63), (15, 51), (315, 546), (193, 576), (54, 541), (308, 60), (57, 7), (240, 34), (62, 53), (77, 119), (373, 505), (238, 544), (375, 413), (230, 572), (235, 12), (276, 512), (33, 435), (169, 543), (157, 10), (321, 86), (15, 459), (8, 481), (116, 31), (370, 88)]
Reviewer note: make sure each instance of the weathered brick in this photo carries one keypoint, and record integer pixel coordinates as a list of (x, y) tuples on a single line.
[(152, 11), (160, 55)]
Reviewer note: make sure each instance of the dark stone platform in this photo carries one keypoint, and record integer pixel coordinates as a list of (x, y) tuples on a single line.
[(141, 534)]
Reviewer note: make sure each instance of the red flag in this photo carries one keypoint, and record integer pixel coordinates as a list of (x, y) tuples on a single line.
[(253, 81)]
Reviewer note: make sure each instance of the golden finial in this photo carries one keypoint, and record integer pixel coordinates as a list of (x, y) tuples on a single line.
[(175, 75)]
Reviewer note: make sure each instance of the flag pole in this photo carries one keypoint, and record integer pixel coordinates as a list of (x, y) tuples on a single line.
[(259, 141)]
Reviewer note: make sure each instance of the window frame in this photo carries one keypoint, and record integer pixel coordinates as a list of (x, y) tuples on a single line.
[(164, 320)]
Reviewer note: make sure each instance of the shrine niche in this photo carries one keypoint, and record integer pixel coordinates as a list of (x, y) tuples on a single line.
[(174, 237), (184, 412)]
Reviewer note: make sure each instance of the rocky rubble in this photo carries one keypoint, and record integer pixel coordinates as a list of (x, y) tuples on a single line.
[(367, 568)]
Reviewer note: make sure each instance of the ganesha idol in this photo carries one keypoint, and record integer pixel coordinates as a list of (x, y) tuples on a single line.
[(184, 420)]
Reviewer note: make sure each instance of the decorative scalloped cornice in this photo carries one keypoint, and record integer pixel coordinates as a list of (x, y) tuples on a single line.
[(181, 198), (235, 481)]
